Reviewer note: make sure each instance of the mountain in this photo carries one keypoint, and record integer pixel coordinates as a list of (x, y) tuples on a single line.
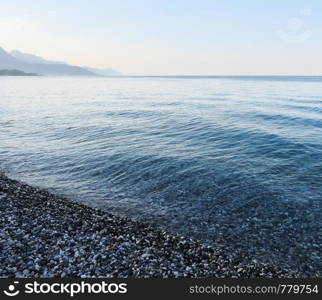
[(15, 73), (30, 58), (8, 61), (103, 72), (6, 58), (33, 59)]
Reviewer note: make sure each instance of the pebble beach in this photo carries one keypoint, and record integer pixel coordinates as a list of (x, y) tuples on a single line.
[(43, 235)]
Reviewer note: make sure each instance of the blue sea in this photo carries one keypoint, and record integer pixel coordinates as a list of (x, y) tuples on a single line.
[(233, 161)]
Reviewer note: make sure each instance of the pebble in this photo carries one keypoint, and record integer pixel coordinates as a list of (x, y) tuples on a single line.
[(43, 235)]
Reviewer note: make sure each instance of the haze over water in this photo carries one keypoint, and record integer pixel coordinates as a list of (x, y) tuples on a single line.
[(234, 161)]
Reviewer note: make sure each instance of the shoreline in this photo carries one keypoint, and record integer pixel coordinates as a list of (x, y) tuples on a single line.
[(44, 235)]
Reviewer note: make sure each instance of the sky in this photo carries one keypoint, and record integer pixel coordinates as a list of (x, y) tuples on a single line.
[(170, 37)]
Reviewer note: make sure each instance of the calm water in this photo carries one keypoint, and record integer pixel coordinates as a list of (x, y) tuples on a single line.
[(234, 161)]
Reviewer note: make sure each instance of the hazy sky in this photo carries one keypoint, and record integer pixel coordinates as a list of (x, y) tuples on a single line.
[(207, 37)]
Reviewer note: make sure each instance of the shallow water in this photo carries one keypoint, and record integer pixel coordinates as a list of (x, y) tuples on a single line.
[(235, 161)]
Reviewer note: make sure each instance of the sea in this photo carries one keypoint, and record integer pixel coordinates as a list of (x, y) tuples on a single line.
[(234, 161)]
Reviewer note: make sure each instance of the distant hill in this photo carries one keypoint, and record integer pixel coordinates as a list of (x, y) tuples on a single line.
[(33, 64), (103, 72), (33, 59), (16, 73)]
